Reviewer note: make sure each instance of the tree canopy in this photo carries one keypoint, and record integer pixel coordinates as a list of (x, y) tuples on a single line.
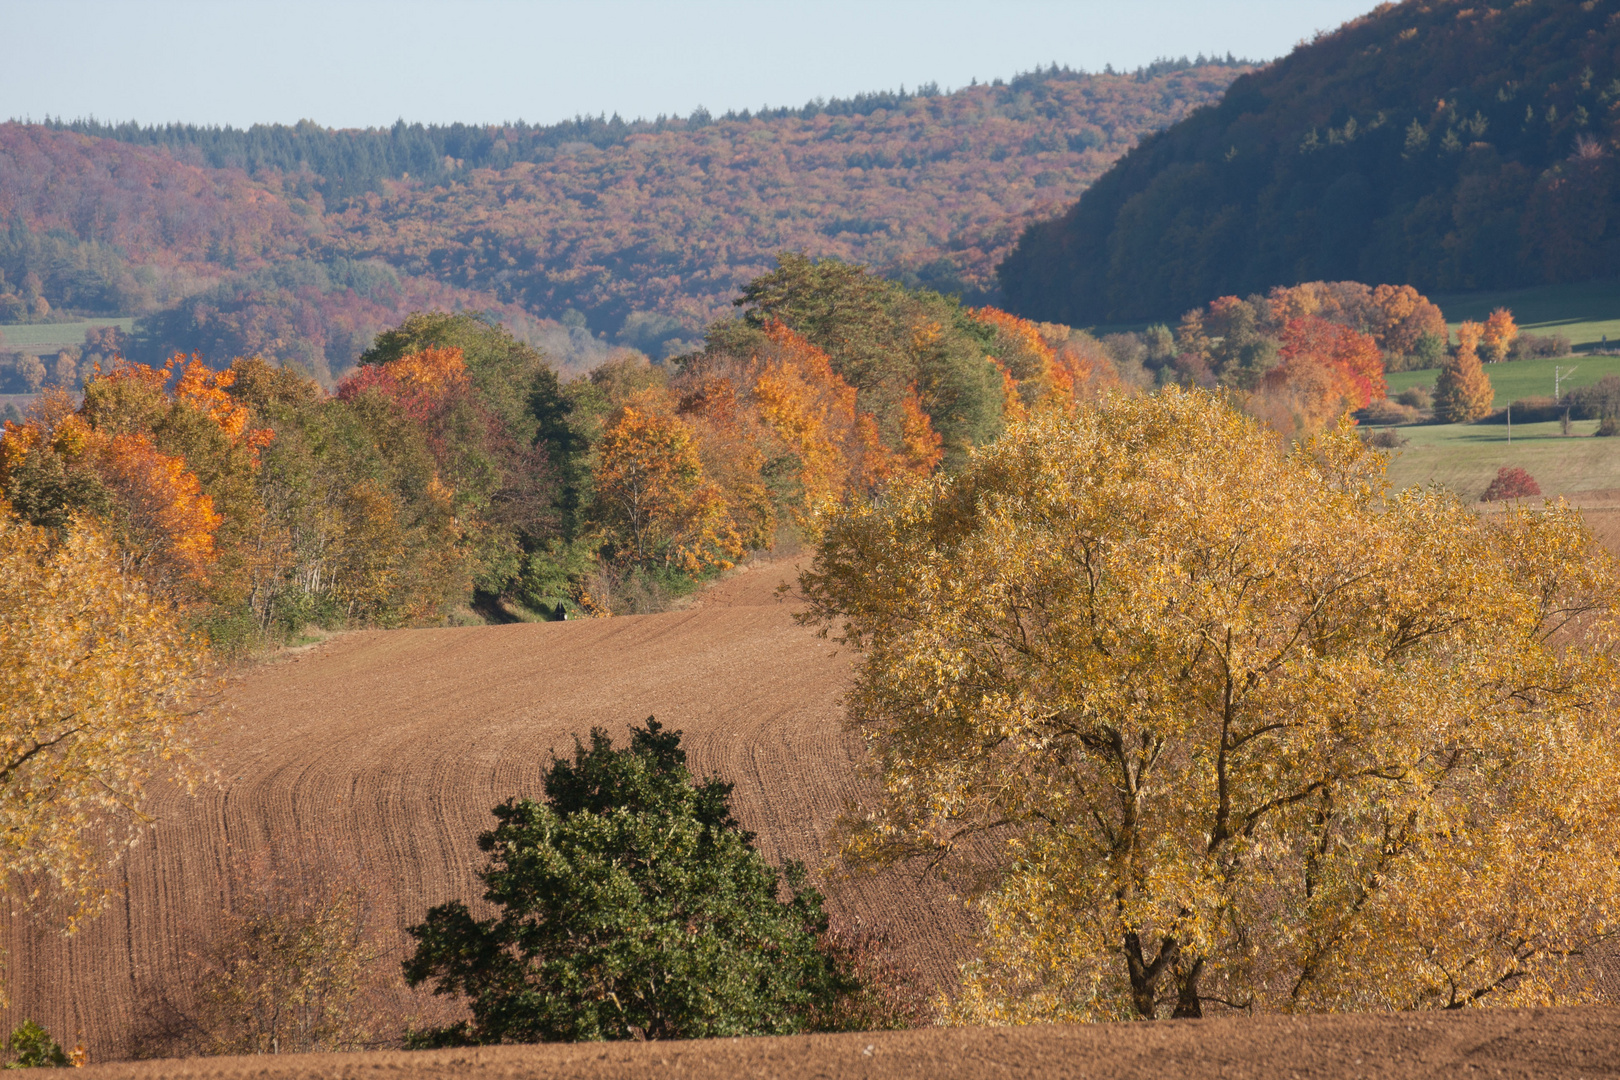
[(1219, 726), (631, 904), (1444, 145), (99, 685)]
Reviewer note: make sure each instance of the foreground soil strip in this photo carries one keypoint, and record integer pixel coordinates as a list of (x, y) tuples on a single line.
[(1542, 1043)]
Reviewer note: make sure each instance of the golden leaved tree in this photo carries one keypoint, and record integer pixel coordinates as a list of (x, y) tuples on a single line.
[(97, 687), (1462, 391), (1203, 724), (657, 507)]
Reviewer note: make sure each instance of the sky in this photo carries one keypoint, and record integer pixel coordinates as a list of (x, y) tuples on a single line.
[(358, 63)]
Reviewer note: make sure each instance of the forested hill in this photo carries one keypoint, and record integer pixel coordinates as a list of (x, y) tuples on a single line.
[(300, 241), (1446, 143)]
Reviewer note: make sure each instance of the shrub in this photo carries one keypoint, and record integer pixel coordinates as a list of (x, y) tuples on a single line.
[(1511, 482), (1536, 409), (631, 904), (1418, 397), (1598, 401), (287, 971), (1538, 346), (1385, 439), (33, 1048), (1385, 411)]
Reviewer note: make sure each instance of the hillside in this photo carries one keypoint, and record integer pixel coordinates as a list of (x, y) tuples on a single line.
[(376, 756), (1444, 144), (295, 241)]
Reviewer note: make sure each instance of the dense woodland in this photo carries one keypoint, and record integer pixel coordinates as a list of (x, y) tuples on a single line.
[(299, 243), (1440, 143), (456, 474)]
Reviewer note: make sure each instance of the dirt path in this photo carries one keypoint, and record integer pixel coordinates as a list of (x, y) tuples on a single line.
[(381, 753), (1547, 1044)]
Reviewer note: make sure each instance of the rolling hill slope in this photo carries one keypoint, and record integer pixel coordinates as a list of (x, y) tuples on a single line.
[(380, 754), (300, 242), (1441, 143)]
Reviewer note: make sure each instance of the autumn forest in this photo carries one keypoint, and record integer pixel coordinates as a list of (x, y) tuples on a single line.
[(998, 485)]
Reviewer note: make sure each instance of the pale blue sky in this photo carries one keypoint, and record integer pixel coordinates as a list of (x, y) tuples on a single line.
[(352, 63)]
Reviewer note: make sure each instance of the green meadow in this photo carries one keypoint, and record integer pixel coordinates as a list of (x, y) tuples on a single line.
[(1585, 312), (1465, 457), (49, 337), (1515, 379)]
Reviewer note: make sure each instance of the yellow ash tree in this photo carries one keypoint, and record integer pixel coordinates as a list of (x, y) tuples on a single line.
[(98, 684), (1205, 724)]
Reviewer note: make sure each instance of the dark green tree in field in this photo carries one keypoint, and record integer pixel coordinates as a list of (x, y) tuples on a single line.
[(631, 904)]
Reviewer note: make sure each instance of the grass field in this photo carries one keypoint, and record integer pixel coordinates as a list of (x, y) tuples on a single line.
[(49, 337), (1465, 457), (1583, 312), (1517, 379)]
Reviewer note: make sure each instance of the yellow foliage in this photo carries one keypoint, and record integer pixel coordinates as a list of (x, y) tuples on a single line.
[(1498, 333), (98, 684), (1204, 724), (652, 494), (434, 371)]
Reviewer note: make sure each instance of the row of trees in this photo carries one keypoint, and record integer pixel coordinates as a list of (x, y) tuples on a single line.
[(454, 466)]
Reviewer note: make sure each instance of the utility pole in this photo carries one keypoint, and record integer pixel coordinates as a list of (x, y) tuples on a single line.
[(1559, 375)]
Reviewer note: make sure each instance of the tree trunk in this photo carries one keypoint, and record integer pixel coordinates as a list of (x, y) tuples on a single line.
[(1188, 1005), (1145, 975)]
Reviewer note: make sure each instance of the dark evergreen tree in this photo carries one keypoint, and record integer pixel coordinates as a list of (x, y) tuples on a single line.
[(630, 904)]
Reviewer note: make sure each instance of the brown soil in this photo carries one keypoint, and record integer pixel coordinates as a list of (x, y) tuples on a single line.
[(1543, 1043), (380, 754)]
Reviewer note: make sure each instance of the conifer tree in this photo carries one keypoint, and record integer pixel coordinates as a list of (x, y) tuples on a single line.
[(1463, 390)]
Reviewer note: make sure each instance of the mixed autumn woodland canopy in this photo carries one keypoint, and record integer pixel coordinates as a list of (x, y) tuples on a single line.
[(299, 243), (1443, 144)]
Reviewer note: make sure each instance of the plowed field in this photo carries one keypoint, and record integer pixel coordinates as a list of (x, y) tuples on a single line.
[(381, 754), (1540, 1044)]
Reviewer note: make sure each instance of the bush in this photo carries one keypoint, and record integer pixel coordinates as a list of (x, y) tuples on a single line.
[(287, 971), (631, 904), (1385, 411), (1537, 346), (1599, 401), (1385, 439), (1536, 409), (1511, 482), (1429, 351), (34, 1048), (1418, 397)]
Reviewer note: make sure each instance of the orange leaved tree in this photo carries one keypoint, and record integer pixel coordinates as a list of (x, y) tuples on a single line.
[(1463, 391), (1498, 336), (653, 501)]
